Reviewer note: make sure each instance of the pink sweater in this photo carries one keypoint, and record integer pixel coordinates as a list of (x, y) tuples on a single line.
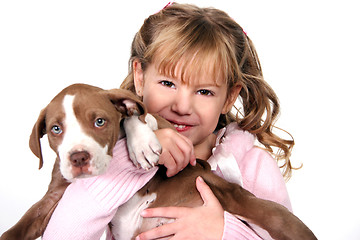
[(88, 205)]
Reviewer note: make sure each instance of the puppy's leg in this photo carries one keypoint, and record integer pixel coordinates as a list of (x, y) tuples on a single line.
[(271, 216), (143, 146), (32, 225)]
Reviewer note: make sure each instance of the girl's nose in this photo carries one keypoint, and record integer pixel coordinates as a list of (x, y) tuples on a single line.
[(182, 104)]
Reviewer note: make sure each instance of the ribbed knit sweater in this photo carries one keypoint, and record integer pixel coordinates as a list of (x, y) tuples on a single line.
[(89, 204)]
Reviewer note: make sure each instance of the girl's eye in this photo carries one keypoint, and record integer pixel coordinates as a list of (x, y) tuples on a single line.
[(100, 122), (205, 92), (56, 130), (167, 84)]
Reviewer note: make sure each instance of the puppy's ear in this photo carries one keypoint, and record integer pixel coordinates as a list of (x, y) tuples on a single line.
[(127, 103), (38, 132)]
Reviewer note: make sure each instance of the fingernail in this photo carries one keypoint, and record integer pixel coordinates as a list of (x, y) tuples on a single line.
[(143, 213), (137, 238), (200, 179), (193, 161)]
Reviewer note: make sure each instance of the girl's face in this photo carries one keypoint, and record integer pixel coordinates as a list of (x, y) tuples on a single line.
[(193, 109)]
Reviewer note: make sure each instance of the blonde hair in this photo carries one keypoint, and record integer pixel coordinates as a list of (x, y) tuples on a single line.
[(207, 40)]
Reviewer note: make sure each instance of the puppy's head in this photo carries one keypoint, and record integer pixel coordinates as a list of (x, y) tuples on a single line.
[(83, 124)]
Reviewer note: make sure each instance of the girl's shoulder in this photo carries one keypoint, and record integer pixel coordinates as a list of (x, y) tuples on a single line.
[(237, 155), (233, 139), (231, 146), (243, 145)]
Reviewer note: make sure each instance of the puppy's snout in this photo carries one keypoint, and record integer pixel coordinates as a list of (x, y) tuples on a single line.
[(80, 159)]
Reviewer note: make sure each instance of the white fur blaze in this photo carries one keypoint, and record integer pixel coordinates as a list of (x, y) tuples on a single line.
[(75, 139)]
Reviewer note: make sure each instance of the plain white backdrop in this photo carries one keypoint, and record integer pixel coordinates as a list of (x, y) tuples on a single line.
[(309, 51)]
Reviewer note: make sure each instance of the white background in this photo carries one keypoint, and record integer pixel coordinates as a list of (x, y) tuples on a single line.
[(310, 55)]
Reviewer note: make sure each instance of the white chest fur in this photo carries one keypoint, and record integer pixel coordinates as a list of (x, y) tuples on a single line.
[(127, 219), (127, 222)]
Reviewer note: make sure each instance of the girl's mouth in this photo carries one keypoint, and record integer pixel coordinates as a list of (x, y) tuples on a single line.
[(181, 127)]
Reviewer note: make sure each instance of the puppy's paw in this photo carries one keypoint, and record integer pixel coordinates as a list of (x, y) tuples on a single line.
[(144, 152), (143, 145)]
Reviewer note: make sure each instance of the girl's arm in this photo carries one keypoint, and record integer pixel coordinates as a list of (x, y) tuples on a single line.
[(260, 175), (208, 221), (89, 204)]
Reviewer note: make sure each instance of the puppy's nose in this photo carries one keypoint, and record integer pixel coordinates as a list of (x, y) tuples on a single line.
[(79, 159)]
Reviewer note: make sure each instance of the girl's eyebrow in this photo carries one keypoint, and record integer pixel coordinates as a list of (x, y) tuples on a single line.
[(207, 84)]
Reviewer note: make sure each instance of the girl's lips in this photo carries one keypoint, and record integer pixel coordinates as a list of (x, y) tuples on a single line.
[(181, 127)]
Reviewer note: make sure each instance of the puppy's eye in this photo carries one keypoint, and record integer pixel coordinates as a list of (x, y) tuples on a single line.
[(99, 122), (56, 130)]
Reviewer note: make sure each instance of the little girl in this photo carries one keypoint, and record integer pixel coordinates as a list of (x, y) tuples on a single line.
[(196, 68)]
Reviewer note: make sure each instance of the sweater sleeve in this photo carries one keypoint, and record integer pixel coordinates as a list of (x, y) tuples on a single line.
[(89, 204), (235, 229), (262, 177)]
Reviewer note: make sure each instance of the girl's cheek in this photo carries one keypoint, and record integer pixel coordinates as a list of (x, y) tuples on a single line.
[(153, 103)]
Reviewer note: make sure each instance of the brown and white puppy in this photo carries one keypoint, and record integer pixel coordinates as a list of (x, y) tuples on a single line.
[(83, 122), (83, 125)]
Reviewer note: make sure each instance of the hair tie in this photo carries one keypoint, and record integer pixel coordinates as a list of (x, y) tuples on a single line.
[(167, 5)]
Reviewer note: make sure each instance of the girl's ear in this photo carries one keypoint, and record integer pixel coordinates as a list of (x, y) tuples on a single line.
[(232, 96), (138, 77)]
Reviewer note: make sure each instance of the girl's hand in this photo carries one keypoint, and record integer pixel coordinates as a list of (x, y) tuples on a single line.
[(177, 151), (204, 222)]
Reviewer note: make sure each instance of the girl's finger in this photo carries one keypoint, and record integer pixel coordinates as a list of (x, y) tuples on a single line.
[(165, 212), (184, 151), (169, 162), (189, 152), (205, 191), (158, 232), (179, 158)]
